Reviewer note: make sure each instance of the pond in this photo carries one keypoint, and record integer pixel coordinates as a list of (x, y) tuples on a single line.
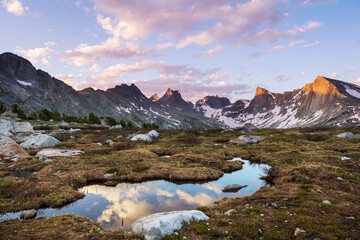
[(116, 208)]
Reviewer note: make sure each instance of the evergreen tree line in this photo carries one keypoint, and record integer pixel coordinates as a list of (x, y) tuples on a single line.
[(46, 115)]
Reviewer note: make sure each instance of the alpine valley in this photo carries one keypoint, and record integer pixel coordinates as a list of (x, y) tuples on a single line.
[(325, 102)]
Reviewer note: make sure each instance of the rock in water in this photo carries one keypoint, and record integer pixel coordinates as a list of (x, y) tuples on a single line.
[(153, 134), (40, 141), (247, 139), (9, 148), (348, 135), (28, 214), (156, 226), (233, 187), (58, 153)]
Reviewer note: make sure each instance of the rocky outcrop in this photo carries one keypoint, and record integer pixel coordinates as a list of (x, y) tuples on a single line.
[(58, 153), (40, 141), (156, 226), (145, 137), (348, 135), (9, 148), (247, 139)]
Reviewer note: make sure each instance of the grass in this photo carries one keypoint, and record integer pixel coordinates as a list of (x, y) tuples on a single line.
[(305, 169)]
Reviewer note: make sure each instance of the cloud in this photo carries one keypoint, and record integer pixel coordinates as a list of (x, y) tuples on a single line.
[(303, 74), (161, 46), (49, 44), (197, 22), (282, 78), (334, 75), (353, 69), (274, 34), (33, 54), (182, 77), (312, 3), (357, 81), (312, 44), (114, 48), (211, 52), (14, 6), (95, 68), (278, 47)]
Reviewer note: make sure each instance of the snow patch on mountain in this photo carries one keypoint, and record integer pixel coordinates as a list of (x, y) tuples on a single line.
[(24, 83), (352, 92)]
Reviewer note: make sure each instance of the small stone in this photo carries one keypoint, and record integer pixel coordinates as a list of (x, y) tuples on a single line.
[(326, 202), (100, 144), (110, 142), (350, 218), (274, 205), (120, 136), (72, 137), (260, 231), (229, 212), (57, 172), (43, 157), (48, 161), (319, 191), (108, 175), (298, 231), (28, 214), (15, 159), (340, 178)]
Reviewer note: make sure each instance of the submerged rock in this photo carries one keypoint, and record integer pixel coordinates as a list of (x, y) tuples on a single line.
[(40, 141), (58, 153), (233, 187), (348, 135), (9, 148), (247, 139), (28, 214), (156, 226)]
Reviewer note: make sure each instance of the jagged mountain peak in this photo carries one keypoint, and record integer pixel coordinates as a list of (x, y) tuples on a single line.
[(88, 90), (261, 91), (215, 101), (172, 92), (154, 97), (325, 86)]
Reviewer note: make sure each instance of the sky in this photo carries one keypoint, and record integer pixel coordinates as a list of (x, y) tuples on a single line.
[(200, 47)]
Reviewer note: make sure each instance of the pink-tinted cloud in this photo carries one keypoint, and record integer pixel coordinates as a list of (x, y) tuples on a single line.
[(312, 44), (353, 69), (274, 34), (334, 75), (201, 82), (113, 48), (211, 52), (33, 54), (14, 7), (279, 47), (197, 22)]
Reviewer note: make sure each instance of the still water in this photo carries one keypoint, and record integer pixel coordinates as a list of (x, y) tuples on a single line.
[(116, 208)]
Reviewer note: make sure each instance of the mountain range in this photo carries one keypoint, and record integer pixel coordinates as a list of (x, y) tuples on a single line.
[(325, 102)]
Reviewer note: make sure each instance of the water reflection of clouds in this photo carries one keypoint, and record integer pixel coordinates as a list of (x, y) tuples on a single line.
[(116, 208)]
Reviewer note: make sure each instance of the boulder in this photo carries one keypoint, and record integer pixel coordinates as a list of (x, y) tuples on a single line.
[(116, 127), (23, 127), (141, 137), (110, 142), (153, 134), (233, 187), (6, 127), (58, 153), (156, 226), (28, 214), (348, 135), (63, 124), (9, 148), (247, 139), (40, 141)]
